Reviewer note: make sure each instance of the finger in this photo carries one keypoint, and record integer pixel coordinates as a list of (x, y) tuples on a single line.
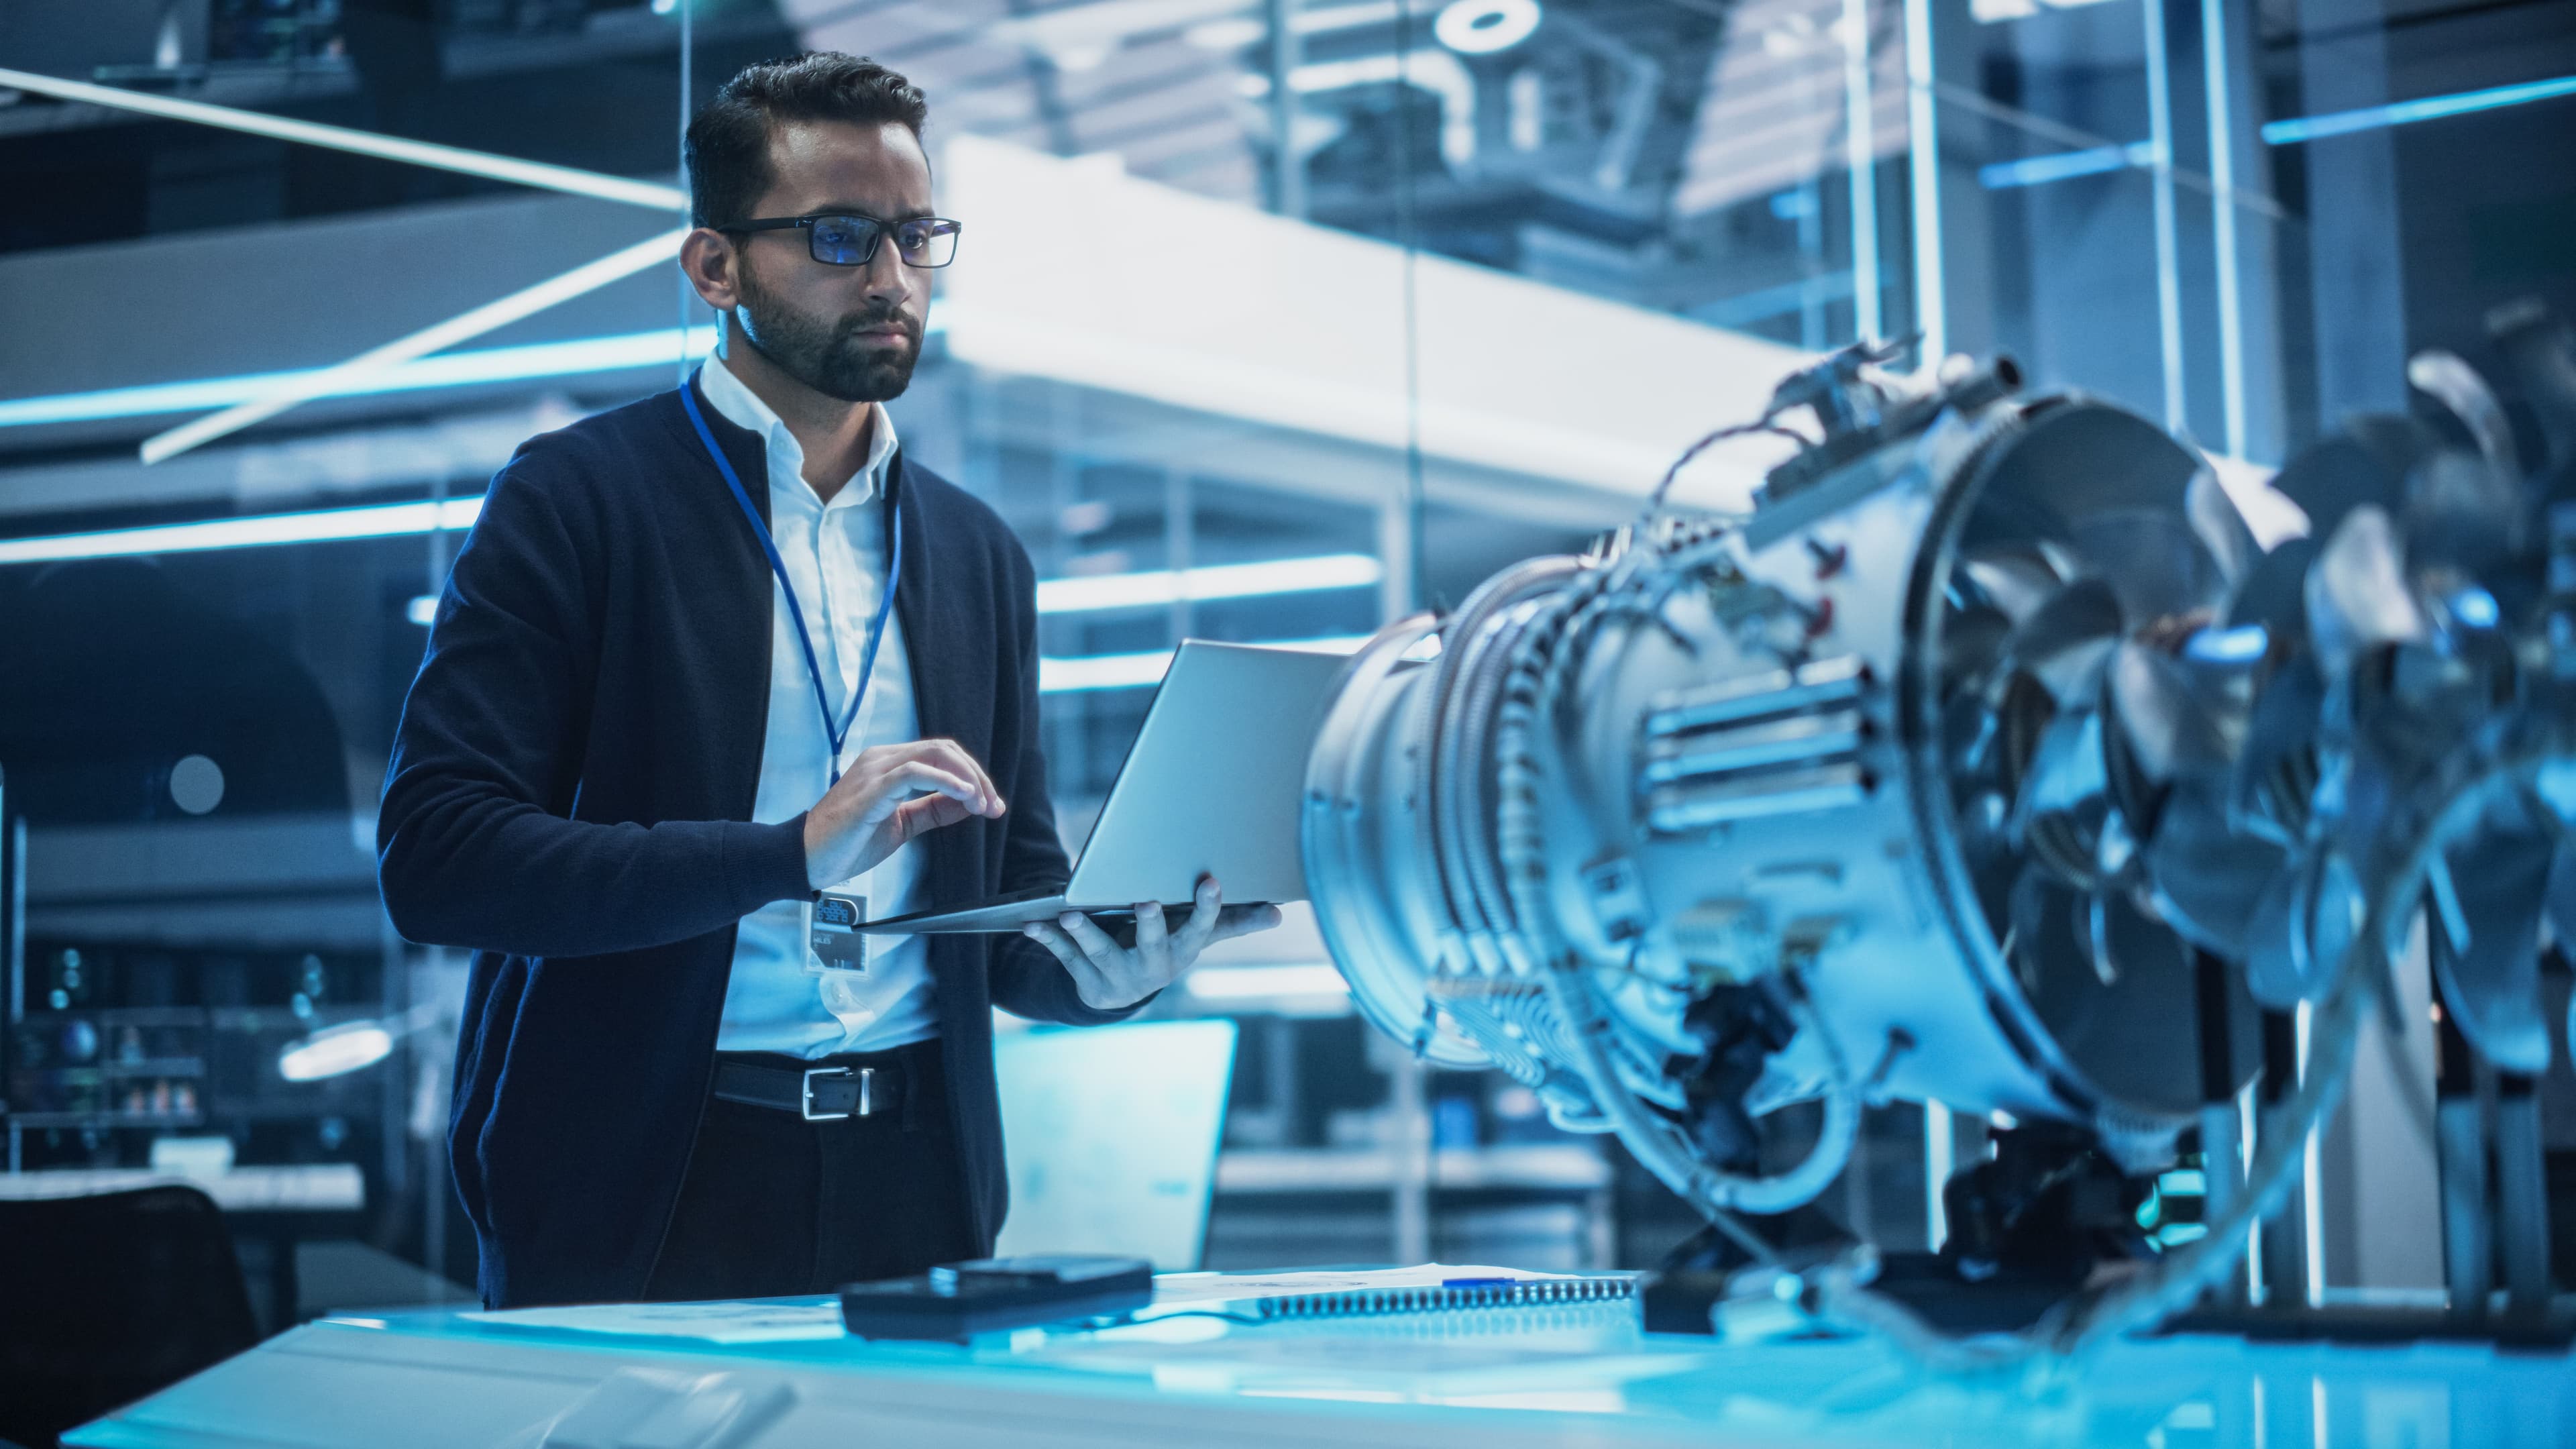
[(953, 757), (1244, 921), (890, 762), (1196, 932), (928, 813), (919, 776), (1153, 936), (1095, 942), (1086, 976)]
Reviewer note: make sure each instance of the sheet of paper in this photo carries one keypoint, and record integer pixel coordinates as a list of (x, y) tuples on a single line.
[(1171, 1288), (756, 1321)]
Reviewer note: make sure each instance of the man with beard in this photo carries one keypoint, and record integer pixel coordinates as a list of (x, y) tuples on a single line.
[(714, 671)]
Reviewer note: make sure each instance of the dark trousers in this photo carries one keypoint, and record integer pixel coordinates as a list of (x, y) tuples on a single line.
[(775, 1206)]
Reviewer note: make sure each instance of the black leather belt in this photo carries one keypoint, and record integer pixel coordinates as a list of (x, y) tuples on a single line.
[(825, 1092)]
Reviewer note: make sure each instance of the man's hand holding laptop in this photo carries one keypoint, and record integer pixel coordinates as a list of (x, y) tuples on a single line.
[(1110, 976)]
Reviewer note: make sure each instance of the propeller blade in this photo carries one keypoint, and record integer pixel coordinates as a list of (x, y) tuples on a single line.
[(2364, 464), (2274, 595), (2562, 898), (2063, 643), (2303, 923), (2280, 733), (2492, 978), (2170, 726), (2156, 564), (2462, 513), (1973, 642), (2015, 582), (2059, 810), (2221, 527), (2443, 377), (2209, 880), (2357, 595)]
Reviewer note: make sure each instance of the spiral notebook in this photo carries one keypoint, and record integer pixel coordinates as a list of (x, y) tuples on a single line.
[(1443, 1298), (1426, 1288)]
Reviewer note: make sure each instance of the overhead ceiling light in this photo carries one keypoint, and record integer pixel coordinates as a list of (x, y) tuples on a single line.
[(386, 520), (335, 1051), (1214, 581), (1482, 27)]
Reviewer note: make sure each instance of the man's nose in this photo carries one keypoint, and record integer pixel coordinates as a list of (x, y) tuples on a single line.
[(883, 278)]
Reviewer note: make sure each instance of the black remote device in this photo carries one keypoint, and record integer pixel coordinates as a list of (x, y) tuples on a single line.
[(956, 1301)]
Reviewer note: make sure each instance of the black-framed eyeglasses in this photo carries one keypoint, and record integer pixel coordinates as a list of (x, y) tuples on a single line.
[(838, 239)]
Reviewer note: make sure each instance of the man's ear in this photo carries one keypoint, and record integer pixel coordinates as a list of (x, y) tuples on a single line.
[(708, 259)]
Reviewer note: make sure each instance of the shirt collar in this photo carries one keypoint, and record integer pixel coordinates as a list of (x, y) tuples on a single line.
[(743, 408)]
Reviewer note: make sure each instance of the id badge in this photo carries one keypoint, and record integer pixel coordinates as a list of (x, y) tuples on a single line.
[(834, 943)]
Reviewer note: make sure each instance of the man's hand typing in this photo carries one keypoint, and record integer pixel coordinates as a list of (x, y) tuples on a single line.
[(889, 795)]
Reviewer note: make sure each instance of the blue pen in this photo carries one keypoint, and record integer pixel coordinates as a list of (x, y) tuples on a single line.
[(1478, 1282)]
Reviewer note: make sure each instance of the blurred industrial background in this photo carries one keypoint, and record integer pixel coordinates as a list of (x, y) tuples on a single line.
[(1273, 319)]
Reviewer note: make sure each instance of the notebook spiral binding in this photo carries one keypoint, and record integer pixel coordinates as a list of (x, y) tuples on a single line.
[(1369, 1302)]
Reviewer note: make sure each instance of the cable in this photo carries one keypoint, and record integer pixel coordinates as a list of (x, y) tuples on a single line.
[(1655, 500)]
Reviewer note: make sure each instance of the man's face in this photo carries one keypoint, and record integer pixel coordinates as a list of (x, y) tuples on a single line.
[(853, 333)]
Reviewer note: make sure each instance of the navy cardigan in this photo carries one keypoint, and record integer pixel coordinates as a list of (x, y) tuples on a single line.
[(570, 797)]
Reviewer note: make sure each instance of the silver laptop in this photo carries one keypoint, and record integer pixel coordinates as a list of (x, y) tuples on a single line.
[(1211, 787)]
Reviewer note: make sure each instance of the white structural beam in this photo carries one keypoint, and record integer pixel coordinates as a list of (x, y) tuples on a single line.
[(1245, 315)]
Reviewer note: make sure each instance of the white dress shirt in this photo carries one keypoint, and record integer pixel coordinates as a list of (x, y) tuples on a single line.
[(836, 557)]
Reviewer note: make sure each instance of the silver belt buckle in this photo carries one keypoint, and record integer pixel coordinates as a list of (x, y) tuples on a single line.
[(867, 1077)]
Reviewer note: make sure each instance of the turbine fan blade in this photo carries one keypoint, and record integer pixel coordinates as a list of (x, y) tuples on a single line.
[(2221, 527), (2209, 880), (2364, 464), (2462, 513), (2303, 924), (2562, 898), (2492, 978), (2063, 643), (1973, 642), (2274, 595), (2443, 377), (2064, 785), (2171, 728), (2357, 595), (2279, 734), (2015, 582), (2156, 564)]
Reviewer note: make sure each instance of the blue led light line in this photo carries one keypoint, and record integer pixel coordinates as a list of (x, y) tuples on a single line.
[(2401, 113), (453, 369), (2066, 165)]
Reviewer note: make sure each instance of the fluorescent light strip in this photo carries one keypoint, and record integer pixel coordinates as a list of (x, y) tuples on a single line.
[(1084, 672), (386, 520), (2065, 165), (366, 366), (1215, 581), (566, 179), (2431, 108)]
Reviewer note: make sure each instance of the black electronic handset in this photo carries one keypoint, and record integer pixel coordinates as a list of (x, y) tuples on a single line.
[(956, 1301)]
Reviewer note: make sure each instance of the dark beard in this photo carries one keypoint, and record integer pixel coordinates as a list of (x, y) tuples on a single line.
[(830, 358)]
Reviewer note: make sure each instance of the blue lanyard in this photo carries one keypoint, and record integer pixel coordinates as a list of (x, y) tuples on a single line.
[(835, 735)]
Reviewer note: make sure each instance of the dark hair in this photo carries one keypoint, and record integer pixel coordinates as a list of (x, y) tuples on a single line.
[(728, 145)]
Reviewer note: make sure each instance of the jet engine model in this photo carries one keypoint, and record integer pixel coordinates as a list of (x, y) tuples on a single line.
[(1989, 761)]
